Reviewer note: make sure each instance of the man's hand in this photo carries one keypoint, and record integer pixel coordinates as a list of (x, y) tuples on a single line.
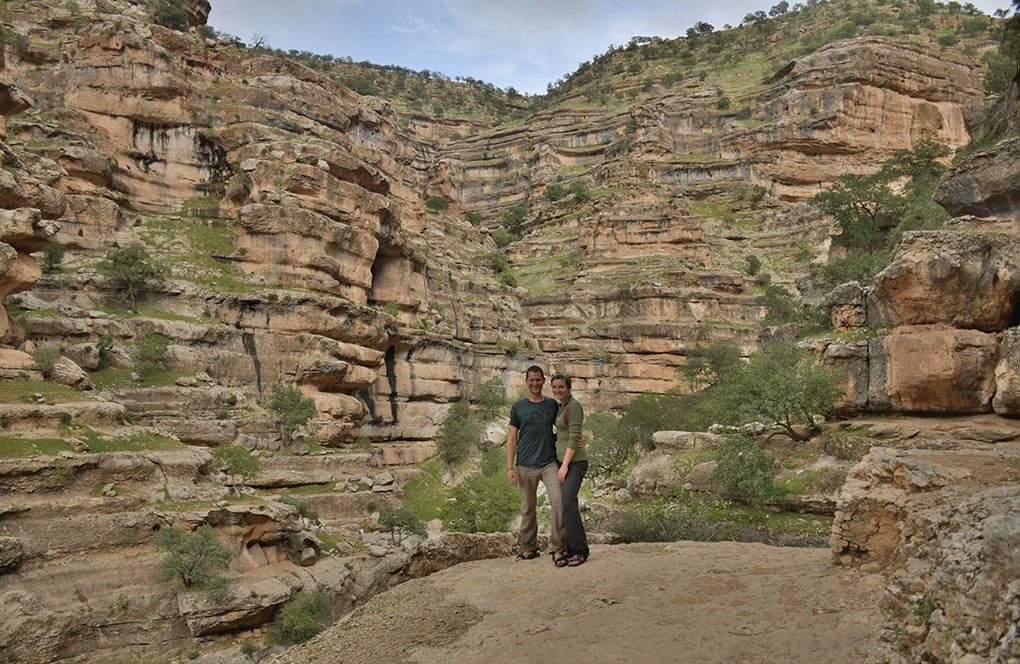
[(511, 475), (563, 473)]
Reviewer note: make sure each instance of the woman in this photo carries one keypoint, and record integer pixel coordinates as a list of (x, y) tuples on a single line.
[(573, 468)]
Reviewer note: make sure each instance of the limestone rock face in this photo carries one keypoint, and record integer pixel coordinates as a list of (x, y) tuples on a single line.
[(944, 525), (251, 603), (687, 440), (12, 552), (932, 371), (1007, 375), (967, 281), (985, 184)]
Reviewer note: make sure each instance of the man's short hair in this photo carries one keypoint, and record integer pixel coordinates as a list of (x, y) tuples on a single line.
[(565, 378), (534, 368)]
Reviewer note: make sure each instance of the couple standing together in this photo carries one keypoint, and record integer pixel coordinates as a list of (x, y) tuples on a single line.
[(534, 453)]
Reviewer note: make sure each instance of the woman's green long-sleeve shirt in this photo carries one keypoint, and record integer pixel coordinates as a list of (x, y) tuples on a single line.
[(569, 418)]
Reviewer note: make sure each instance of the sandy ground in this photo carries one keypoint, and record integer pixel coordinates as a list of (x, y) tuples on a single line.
[(681, 602)]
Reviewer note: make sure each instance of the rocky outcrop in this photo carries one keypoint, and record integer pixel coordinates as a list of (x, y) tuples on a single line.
[(943, 524), (985, 184), (943, 277)]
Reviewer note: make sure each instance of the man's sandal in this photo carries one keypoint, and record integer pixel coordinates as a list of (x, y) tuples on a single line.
[(528, 555), (559, 560)]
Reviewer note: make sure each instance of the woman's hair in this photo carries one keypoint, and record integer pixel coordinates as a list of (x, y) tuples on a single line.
[(564, 378)]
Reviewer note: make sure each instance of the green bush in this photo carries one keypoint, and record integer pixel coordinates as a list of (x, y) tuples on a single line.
[(671, 521), (555, 192), (401, 522), (481, 504), (149, 351), (609, 452), (44, 358), (502, 237), (744, 471), (438, 203), (460, 432), (490, 397), (474, 218), (169, 13), (507, 278), (513, 220), (290, 408), (753, 265), (193, 558), (300, 619), (53, 257), (236, 462), (130, 270), (103, 348)]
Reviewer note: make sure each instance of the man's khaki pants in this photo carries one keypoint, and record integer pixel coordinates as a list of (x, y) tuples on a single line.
[(527, 482)]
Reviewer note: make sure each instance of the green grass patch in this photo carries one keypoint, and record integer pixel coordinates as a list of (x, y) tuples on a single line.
[(136, 442), (120, 379), (798, 485), (14, 447), (23, 391), (426, 494), (148, 311)]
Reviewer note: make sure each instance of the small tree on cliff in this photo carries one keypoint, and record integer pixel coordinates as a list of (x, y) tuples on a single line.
[(131, 270), (290, 407), (194, 558), (236, 462)]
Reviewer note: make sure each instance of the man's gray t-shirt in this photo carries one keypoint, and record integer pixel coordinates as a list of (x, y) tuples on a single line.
[(536, 446)]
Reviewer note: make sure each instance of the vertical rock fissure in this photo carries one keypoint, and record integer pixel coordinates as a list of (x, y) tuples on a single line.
[(391, 378), (248, 339)]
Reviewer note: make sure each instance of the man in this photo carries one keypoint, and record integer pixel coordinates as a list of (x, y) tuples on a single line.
[(530, 457)]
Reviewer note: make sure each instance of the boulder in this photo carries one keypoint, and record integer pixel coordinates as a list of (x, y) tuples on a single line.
[(942, 277), (249, 604), (654, 475), (68, 373), (918, 370), (847, 306), (699, 477)]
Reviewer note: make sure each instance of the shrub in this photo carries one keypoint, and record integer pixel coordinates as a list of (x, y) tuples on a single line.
[(169, 14), (722, 103), (149, 351), (290, 408), (300, 619), (401, 522), (670, 521), (194, 558), (753, 265), (555, 192), (513, 220), (580, 191), (53, 257), (490, 397), (45, 358), (744, 471), (237, 462), (459, 433), (130, 270), (502, 237), (481, 504), (609, 452), (507, 278), (438, 203), (474, 218), (103, 348)]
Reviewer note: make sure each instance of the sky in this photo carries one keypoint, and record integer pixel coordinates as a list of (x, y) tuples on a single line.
[(525, 44)]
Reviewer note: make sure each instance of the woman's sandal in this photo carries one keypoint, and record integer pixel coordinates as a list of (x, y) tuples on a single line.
[(576, 560), (559, 560), (528, 555)]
